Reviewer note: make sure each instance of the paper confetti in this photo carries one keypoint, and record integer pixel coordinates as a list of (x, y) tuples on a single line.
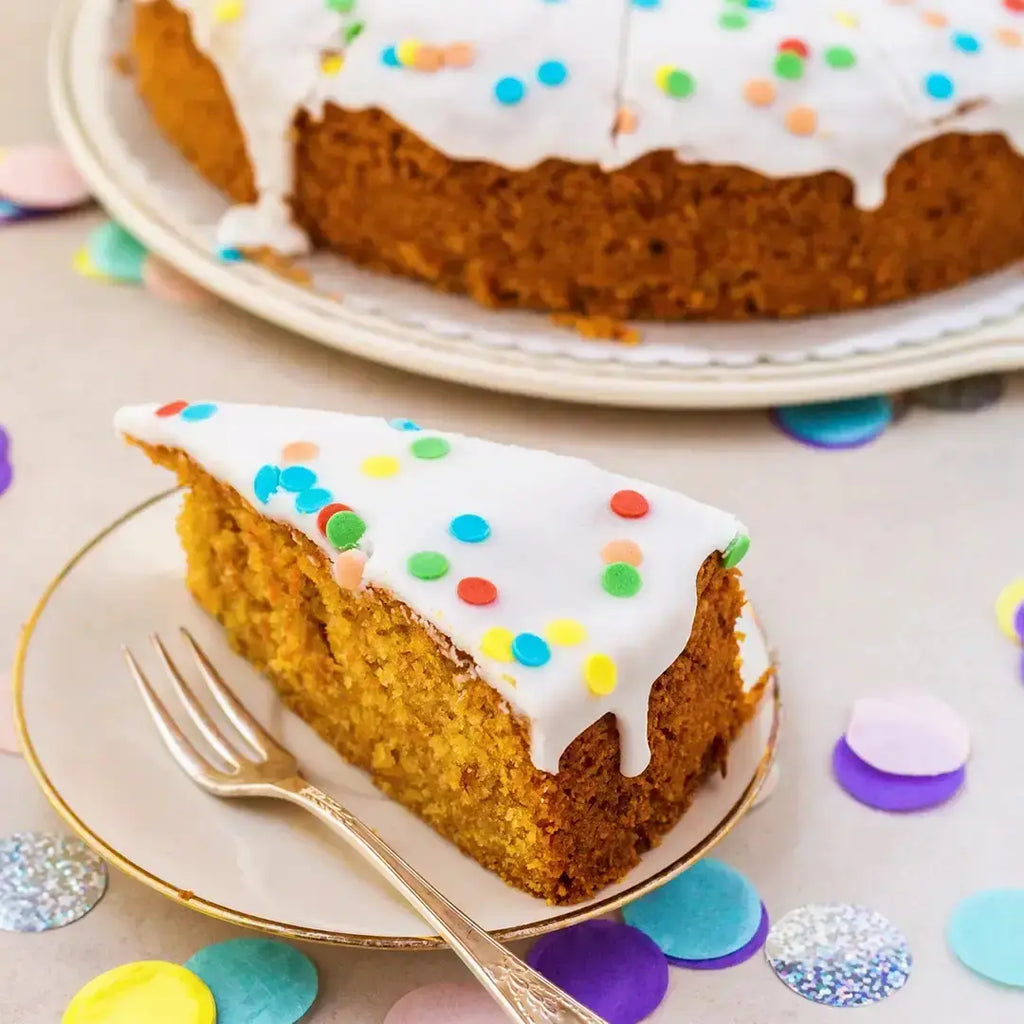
[(38, 177), (47, 881), (986, 932), (6, 470), (446, 1003), (740, 956), (846, 424), (115, 253), (161, 279), (838, 954), (1009, 601)]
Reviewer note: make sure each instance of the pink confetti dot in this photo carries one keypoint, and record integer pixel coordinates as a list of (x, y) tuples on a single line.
[(41, 178), (162, 280), (446, 1003), (348, 569)]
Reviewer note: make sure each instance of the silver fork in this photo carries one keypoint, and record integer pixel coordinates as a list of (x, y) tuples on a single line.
[(526, 996)]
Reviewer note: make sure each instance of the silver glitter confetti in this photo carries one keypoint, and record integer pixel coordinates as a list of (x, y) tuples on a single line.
[(839, 954), (47, 881), (967, 395)]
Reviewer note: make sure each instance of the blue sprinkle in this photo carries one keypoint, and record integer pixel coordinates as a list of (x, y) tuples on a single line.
[(938, 86), (200, 411), (469, 528), (965, 42), (312, 500), (229, 254), (531, 650), (266, 483), (509, 91), (648, 4), (389, 56), (552, 72), (846, 424), (760, 5), (297, 478), (403, 424)]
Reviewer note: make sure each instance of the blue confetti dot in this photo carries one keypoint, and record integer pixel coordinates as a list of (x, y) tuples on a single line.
[(267, 480), (403, 424), (760, 5), (966, 43), (708, 911), (297, 478), (938, 86), (509, 91), (312, 500), (469, 528), (256, 981), (116, 253), (647, 4), (986, 932), (531, 650), (199, 411), (229, 254), (845, 424), (552, 72), (389, 56)]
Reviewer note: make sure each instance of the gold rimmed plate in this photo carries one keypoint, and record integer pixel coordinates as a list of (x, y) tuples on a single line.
[(94, 752)]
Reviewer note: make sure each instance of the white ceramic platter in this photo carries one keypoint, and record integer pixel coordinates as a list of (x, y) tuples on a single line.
[(148, 187), (94, 750)]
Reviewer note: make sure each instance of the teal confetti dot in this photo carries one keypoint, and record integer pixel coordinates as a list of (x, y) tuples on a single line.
[(509, 91), (312, 500), (256, 981), (844, 424), (266, 482), (552, 73), (389, 56), (403, 424), (620, 579), (986, 933), (966, 43), (297, 478), (199, 411), (229, 254), (530, 650), (117, 254), (648, 5), (938, 86), (470, 528)]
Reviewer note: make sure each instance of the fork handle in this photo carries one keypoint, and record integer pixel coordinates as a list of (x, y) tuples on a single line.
[(526, 996)]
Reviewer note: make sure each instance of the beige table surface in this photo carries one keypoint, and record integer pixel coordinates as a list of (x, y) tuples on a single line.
[(871, 569)]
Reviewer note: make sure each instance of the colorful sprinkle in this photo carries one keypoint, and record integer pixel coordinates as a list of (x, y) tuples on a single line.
[(228, 10), (256, 980), (736, 551), (621, 580), (496, 643), (601, 674), (801, 120), (311, 500), (6, 476), (297, 478), (171, 408), (797, 46), (229, 254), (379, 466), (625, 121), (470, 528), (966, 43), (459, 55), (266, 482), (406, 51), (196, 413), (426, 565), (353, 32), (1010, 599), (403, 424), (986, 933), (509, 91), (849, 423), (552, 73), (430, 448), (847, 20), (627, 551), (648, 5), (1017, 6), (348, 568), (936, 19), (675, 81), (299, 451), (331, 64), (789, 65), (428, 59), (732, 20), (150, 990), (759, 92), (1009, 37), (839, 955), (324, 515), (565, 632), (938, 86), (629, 504), (345, 530), (389, 57), (477, 591), (840, 57), (341, 6), (530, 650)]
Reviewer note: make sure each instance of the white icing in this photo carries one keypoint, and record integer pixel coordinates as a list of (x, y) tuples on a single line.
[(867, 115), (549, 517)]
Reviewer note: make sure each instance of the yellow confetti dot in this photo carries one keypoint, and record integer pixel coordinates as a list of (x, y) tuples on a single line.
[(83, 264), (565, 632), (228, 10), (331, 64), (496, 643), (601, 674), (847, 20), (380, 466), (1009, 600), (406, 52), (150, 990)]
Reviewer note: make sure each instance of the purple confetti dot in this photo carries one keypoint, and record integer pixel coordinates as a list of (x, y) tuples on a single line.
[(741, 955), (611, 968), (6, 470), (887, 792), (1018, 622)]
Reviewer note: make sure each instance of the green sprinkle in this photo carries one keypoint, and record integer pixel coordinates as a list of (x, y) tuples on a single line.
[(679, 84), (428, 565), (732, 19), (341, 6), (353, 30), (789, 65), (344, 529), (738, 547), (430, 448), (840, 57), (620, 579)]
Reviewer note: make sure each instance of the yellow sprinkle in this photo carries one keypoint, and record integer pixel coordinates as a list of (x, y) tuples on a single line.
[(601, 674), (331, 63), (661, 75), (847, 20), (1009, 600), (228, 10), (511, 680), (406, 52), (565, 632), (380, 466), (496, 643)]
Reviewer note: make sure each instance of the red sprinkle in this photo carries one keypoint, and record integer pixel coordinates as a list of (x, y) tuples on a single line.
[(171, 408), (477, 590), (326, 512), (797, 46), (630, 504), (1017, 6)]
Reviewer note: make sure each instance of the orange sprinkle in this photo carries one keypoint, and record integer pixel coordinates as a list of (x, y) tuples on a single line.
[(459, 55), (627, 551), (428, 58), (935, 18), (625, 121), (760, 92), (802, 120), (1009, 37), (299, 451)]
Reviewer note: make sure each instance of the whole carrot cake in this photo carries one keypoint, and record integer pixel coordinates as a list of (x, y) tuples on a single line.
[(536, 656), (659, 159)]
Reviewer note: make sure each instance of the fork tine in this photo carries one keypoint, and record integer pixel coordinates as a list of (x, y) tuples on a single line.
[(195, 766), (196, 711), (232, 707)]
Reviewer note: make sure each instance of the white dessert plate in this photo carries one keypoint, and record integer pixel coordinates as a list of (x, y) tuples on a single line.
[(97, 756), (150, 189)]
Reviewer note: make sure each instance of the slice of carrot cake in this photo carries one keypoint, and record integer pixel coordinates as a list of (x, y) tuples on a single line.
[(535, 655)]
